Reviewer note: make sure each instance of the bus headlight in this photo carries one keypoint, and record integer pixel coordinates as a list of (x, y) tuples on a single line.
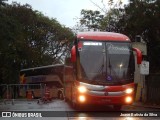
[(128, 99), (82, 98), (82, 89), (129, 90)]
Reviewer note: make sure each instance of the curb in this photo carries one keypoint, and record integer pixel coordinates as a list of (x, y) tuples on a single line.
[(146, 106)]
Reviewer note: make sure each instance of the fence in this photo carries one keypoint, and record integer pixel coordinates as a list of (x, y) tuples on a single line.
[(153, 88), (21, 91)]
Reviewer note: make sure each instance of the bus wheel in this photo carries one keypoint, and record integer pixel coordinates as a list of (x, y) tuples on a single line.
[(117, 107)]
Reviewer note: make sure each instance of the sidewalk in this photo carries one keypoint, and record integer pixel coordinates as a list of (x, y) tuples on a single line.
[(146, 105)]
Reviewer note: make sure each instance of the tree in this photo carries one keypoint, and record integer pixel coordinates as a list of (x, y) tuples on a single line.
[(91, 19), (111, 16), (110, 20), (10, 32), (29, 39), (2, 2)]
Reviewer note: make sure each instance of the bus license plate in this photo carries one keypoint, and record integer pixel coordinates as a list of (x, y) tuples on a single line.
[(106, 100)]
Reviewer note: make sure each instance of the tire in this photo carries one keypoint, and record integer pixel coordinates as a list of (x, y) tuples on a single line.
[(117, 107)]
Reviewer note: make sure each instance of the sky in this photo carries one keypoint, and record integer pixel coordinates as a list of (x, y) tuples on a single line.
[(66, 12)]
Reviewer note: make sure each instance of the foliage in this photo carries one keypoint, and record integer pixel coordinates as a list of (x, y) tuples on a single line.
[(29, 39), (2, 2), (109, 22), (91, 19)]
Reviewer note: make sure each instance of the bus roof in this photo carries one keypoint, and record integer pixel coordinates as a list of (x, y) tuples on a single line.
[(105, 36), (48, 66)]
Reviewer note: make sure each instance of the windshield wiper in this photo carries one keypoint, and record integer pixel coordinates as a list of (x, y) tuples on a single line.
[(111, 69), (100, 74)]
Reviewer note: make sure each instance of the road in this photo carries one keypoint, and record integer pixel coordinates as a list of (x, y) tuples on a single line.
[(60, 110)]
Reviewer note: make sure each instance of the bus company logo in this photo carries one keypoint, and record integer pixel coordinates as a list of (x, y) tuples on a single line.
[(117, 48), (106, 93), (6, 114)]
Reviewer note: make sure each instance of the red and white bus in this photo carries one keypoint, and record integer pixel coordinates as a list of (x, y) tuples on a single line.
[(103, 70)]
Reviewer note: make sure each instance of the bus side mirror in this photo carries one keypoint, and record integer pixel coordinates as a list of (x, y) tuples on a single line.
[(139, 55), (73, 54)]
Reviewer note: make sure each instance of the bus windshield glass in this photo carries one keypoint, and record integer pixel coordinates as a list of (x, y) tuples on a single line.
[(105, 63)]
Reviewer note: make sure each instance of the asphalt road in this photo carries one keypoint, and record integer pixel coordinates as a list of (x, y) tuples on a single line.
[(60, 110)]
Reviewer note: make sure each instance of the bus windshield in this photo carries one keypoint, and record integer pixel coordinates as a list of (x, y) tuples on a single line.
[(105, 63)]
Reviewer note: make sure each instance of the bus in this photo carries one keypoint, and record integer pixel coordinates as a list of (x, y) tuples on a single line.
[(103, 70), (50, 77)]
